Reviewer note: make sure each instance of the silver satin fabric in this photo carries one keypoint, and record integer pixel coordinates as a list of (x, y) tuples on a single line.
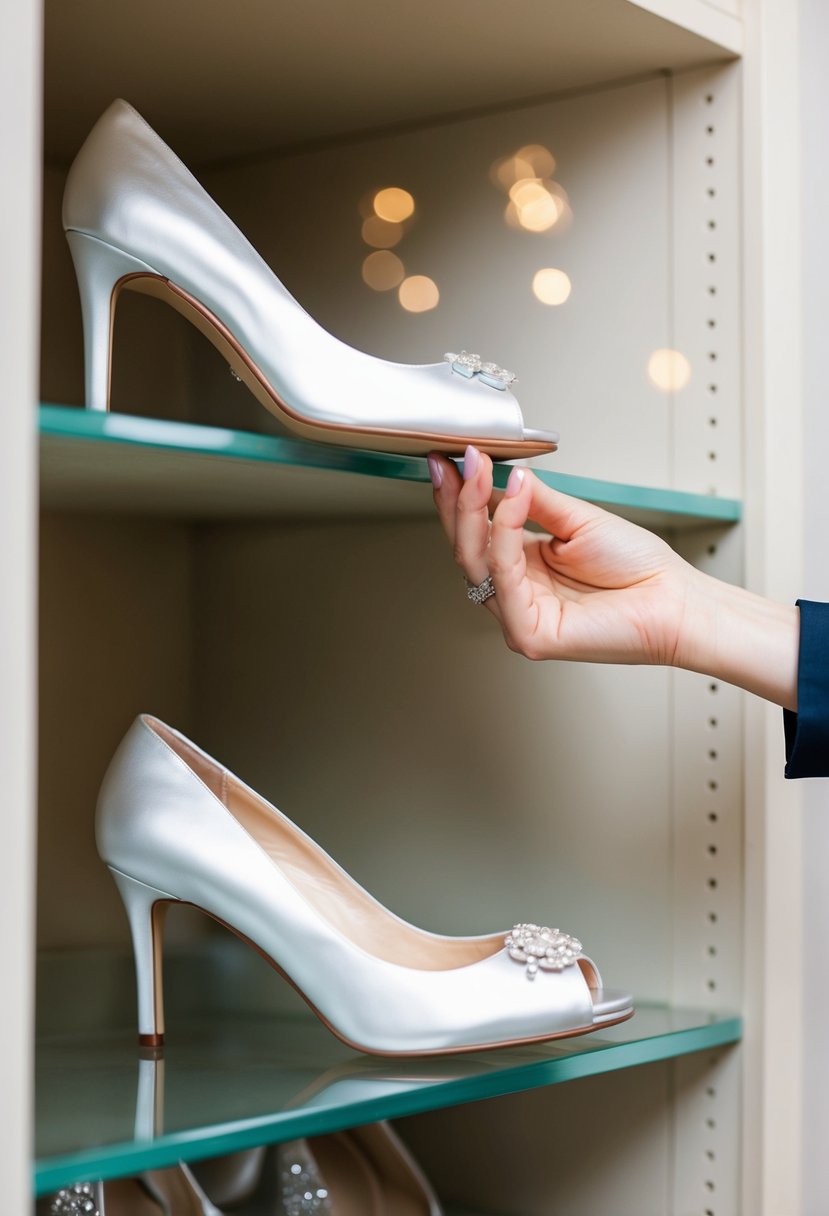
[(128, 189), (158, 823)]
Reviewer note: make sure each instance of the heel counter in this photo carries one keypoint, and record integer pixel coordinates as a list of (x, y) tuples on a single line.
[(120, 140), (116, 795)]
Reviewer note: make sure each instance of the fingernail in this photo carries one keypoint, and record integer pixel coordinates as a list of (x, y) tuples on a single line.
[(514, 483), (435, 472), (470, 462)]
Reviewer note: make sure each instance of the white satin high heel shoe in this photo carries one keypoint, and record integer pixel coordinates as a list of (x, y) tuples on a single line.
[(176, 827), (136, 219)]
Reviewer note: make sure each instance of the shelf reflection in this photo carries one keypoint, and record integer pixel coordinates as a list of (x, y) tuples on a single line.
[(235, 1081)]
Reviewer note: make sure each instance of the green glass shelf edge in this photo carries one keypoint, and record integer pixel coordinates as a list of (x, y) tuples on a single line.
[(116, 1160), (73, 423)]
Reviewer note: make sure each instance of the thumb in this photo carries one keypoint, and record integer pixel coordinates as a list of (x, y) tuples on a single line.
[(559, 514)]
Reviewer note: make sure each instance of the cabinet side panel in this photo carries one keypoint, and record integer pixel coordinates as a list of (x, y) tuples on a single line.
[(707, 435), (814, 41), (706, 1134), (19, 144)]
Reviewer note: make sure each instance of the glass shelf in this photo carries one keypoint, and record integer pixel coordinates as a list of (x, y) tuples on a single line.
[(94, 461), (232, 1082)]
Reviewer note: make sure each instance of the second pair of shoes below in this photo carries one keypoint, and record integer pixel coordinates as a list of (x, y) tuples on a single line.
[(363, 1172), (176, 827), (136, 219)]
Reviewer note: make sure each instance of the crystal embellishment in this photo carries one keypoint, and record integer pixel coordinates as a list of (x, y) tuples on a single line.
[(537, 946), (303, 1189), (77, 1200), (469, 365)]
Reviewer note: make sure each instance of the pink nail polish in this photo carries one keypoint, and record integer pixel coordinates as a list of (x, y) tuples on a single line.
[(435, 472), (514, 483), (470, 462)]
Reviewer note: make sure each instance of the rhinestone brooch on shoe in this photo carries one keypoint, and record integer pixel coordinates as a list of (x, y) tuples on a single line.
[(537, 946), (77, 1200), (469, 365)]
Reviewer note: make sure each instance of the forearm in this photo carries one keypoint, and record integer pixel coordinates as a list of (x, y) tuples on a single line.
[(733, 635)]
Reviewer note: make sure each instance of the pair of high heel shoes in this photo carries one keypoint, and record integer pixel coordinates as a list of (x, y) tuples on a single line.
[(363, 1172), (173, 825), (136, 219)]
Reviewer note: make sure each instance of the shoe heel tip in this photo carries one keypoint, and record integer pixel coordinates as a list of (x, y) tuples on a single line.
[(151, 1042)]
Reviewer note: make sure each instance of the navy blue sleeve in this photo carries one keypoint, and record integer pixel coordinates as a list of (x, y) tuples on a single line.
[(807, 731)]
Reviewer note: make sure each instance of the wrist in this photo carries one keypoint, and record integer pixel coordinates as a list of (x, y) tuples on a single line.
[(732, 634)]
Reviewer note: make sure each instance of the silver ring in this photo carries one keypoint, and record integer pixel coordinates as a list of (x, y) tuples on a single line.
[(481, 593)]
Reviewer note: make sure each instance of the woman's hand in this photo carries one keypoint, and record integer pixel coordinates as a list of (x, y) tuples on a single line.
[(599, 589), (596, 588)]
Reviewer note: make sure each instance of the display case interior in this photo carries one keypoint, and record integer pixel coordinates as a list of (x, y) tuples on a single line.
[(575, 218)]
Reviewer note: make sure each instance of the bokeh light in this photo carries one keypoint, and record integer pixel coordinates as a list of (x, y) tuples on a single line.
[(669, 370), (418, 293), (542, 160), (533, 206), (536, 202), (394, 204), (383, 270), (381, 234), (507, 170), (551, 286)]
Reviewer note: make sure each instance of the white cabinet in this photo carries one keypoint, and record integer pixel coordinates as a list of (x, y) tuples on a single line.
[(296, 611)]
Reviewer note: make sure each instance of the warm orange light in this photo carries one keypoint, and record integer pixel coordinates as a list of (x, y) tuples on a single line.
[(535, 207), (507, 170), (551, 286), (542, 160), (669, 370), (383, 270), (380, 234), (394, 204), (418, 293)]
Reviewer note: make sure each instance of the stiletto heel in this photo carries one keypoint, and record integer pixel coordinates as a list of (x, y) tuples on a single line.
[(173, 825), (102, 270), (146, 908), (137, 218)]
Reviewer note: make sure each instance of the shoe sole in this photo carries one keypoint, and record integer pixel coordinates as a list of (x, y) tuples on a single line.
[(409, 443), (156, 1041)]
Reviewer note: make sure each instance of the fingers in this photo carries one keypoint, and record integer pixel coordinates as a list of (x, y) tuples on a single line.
[(472, 516), (463, 507), (463, 503), (518, 610), (446, 486), (558, 513)]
